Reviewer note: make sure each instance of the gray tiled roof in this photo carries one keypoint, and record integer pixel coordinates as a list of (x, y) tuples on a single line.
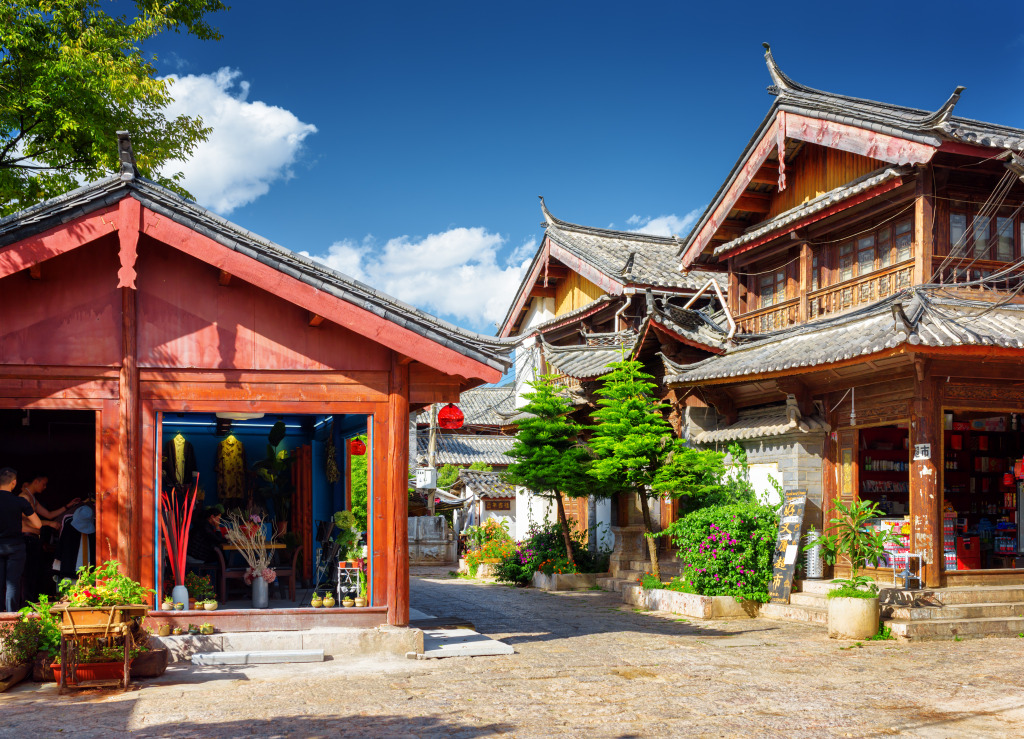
[(912, 124), (485, 349), (590, 360), (483, 406), (572, 315), (484, 484), (758, 423), (463, 449), (693, 325), (912, 316), (818, 204)]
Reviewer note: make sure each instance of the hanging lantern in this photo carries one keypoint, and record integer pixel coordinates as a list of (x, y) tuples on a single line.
[(357, 447), (450, 417)]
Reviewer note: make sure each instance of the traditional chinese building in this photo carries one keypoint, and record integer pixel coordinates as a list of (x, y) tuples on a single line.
[(874, 257), (150, 317)]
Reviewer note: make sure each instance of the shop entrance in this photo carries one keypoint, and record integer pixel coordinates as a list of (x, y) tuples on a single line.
[(983, 476), (54, 453), (291, 470), (884, 477)]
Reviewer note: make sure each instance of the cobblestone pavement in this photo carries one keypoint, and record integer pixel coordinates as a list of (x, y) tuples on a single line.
[(585, 666)]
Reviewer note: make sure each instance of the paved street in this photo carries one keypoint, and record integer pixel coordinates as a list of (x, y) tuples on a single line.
[(585, 666)]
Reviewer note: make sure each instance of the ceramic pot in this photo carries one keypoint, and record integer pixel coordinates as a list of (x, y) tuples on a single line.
[(329, 601), (179, 606), (163, 630), (180, 595), (166, 606), (260, 596), (210, 606), (177, 631), (206, 630), (360, 602), (316, 601), (348, 603), (852, 618)]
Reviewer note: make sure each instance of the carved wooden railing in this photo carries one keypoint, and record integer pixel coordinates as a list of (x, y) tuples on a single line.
[(563, 380), (861, 291), (771, 318), (960, 273)]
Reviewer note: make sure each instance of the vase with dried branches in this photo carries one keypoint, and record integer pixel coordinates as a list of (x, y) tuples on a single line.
[(176, 509), (248, 533)]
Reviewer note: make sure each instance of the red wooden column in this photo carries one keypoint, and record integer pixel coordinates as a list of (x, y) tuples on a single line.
[(107, 473), (925, 495), (398, 491), (380, 510), (130, 467)]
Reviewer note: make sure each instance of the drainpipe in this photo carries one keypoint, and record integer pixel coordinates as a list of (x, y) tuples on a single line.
[(725, 305), (628, 292)]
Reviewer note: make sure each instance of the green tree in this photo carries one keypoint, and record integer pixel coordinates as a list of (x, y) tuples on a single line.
[(71, 76), (700, 478), (449, 473), (359, 481), (550, 461), (632, 441)]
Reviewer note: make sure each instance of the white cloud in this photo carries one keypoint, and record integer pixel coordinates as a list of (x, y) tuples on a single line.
[(252, 145), (456, 274), (670, 225)]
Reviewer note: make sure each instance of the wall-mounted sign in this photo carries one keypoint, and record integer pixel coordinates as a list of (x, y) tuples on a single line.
[(497, 505), (787, 545), (922, 451)]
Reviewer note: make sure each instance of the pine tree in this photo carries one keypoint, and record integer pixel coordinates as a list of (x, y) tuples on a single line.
[(631, 440), (549, 460)]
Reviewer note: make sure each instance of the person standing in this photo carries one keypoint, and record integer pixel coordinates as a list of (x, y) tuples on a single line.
[(37, 564), (12, 545)]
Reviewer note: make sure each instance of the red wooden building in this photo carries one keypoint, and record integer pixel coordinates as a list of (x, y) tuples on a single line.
[(130, 304)]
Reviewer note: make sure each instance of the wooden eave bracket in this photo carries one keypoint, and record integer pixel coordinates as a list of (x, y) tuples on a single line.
[(723, 403), (315, 319), (224, 278), (800, 391)]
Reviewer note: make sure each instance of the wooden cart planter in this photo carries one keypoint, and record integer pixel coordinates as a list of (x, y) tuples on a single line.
[(82, 625)]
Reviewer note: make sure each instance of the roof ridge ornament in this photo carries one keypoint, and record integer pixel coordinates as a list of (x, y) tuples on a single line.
[(129, 171), (945, 112), (549, 220), (780, 81)]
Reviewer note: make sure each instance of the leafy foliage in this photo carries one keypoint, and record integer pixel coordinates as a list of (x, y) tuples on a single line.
[(199, 587), (48, 624), (19, 641), (727, 550), (347, 536), (359, 484), (103, 586), (543, 550), (490, 541), (275, 473), (72, 76), (550, 461), (849, 536), (650, 582)]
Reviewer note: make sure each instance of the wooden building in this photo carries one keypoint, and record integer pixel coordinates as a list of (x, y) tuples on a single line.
[(875, 258), (132, 305)]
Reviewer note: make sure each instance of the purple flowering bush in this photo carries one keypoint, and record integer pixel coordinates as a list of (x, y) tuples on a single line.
[(727, 550)]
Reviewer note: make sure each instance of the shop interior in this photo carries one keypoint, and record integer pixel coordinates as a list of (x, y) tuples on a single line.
[(54, 452), (221, 455)]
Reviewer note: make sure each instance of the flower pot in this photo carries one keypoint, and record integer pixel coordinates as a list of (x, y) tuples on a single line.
[(210, 606), (179, 595), (150, 664), (348, 603), (316, 601), (95, 671), (360, 602), (166, 606), (206, 629), (163, 630), (177, 631), (179, 606), (329, 601), (852, 618), (260, 596)]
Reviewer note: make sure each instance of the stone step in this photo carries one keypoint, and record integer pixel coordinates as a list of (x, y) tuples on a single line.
[(981, 594), (814, 586), (934, 629), (970, 610), (671, 566), (797, 613), (814, 600), (614, 584)]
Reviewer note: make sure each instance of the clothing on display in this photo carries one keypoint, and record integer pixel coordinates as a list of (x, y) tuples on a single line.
[(230, 468), (179, 461)]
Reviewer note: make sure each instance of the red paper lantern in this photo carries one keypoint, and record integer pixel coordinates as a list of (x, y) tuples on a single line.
[(450, 417), (357, 447)]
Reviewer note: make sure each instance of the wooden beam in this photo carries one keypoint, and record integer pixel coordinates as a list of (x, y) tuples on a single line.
[(723, 404), (224, 279), (57, 240), (796, 388), (806, 281), (925, 494), (924, 226), (315, 319), (858, 140), (36, 271), (398, 488), (542, 292), (753, 202), (129, 477)]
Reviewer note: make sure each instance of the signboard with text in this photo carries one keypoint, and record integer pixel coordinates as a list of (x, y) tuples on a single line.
[(787, 547)]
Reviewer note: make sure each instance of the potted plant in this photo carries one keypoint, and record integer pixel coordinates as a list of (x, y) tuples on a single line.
[(275, 477), (176, 631), (348, 602), (168, 604), (360, 601), (206, 629), (248, 532), (329, 601), (316, 601), (853, 606), (176, 511), (200, 589), (347, 538), (179, 606), (163, 630), (210, 605)]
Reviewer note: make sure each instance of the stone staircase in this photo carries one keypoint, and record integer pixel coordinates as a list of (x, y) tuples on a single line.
[(919, 615), (621, 576)]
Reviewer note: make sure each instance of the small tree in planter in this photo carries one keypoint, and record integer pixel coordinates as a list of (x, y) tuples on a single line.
[(550, 461), (853, 606)]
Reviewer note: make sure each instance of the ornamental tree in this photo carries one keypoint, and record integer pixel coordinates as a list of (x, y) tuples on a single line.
[(632, 440), (71, 76), (550, 461)]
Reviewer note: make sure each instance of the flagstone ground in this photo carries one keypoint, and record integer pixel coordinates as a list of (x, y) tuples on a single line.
[(585, 666)]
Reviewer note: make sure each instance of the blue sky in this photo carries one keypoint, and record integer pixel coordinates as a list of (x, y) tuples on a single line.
[(406, 143)]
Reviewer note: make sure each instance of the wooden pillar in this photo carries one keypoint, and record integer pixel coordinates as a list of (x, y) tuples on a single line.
[(925, 495), (733, 296), (806, 281), (398, 491), (924, 227), (379, 513), (107, 471)]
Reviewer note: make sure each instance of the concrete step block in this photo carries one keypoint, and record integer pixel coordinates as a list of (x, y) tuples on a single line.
[(814, 586), (282, 656), (980, 594), (799, 614), (966, 611), (815, 600), (935, 629)]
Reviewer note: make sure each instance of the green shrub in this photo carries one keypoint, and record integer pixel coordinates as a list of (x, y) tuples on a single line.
[(650, 582), (727, 550), (19, 641), (543, 550)]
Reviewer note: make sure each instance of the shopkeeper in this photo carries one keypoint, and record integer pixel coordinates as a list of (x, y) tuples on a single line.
[(12, 546), (36, 562)]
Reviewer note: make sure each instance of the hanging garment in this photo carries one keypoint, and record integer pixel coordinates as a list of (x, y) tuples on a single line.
[(179, 461), (331, 457), (230, 469)]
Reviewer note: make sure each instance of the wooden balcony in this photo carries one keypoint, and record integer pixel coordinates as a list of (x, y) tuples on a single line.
[(768, 319), (562, 380), (960, 273), (860, 291)]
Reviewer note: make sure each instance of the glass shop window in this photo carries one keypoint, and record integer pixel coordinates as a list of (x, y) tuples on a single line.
[(846, 262), (904, 240)]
